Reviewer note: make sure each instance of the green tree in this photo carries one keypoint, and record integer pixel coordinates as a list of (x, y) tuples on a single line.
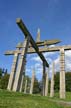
[(56, 81), (0, 73), (67, 81), (4, 77), (4, 81), (28, 83), (36, 88)]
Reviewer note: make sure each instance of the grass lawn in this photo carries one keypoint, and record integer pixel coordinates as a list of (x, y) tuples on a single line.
[(20, 100), (68, 97)]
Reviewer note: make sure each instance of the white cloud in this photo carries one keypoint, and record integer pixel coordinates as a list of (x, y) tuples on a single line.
[(57, 60), (51, 46), (68, 53), (67, 62), (36, 58), (37, 65), (28, 70), (46, 54)]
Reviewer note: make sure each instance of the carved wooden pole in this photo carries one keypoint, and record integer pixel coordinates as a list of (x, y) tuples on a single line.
[(44, 79), (52, 81), (25, 89), (38, 36), (21, 83), (21, 65), (47, 83), (13, 71), (23, 76), (62, 73), (32, 81)]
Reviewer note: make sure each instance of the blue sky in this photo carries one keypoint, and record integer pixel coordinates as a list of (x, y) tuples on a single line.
[(53, 17)]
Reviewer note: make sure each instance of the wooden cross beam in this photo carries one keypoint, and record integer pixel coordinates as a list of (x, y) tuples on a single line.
[(44, 49), (50, 49), (41, 43), (27, 34)]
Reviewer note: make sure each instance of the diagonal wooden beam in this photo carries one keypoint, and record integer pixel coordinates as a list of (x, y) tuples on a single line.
[(27, 34)]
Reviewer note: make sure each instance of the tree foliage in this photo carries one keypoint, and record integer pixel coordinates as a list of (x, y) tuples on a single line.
[(4, 77), (56, 81), (36, 88), (67, 81)]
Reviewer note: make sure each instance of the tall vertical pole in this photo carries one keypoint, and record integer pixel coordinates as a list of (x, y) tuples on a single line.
[(47, 83), (23, 76), (62, 73), (13, 72), (21, 65), (52, 81), (25, 89), (38, 36), (44, 79), (32, 81)]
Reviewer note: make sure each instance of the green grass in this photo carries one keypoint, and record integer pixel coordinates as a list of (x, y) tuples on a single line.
[(68, 97), (20, 100)]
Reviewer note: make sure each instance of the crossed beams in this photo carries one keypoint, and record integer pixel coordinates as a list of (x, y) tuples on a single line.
[(44, 49), (34, 45), (15, 79), (17, 76)]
